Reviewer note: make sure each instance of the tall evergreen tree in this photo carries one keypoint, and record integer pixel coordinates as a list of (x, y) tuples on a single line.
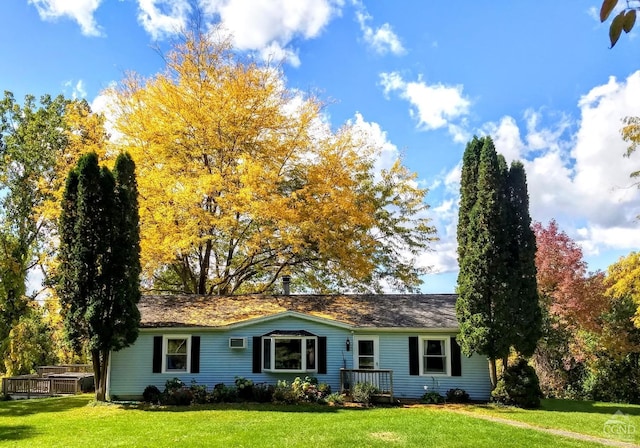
[(468, 190), (497, 304), (482, 293), (525, 303), (126, 253), (99, 261)]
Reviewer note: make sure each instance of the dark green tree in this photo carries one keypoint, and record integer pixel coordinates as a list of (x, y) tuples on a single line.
[(482, 292), (99, 261), (523, 286), (497, 303), (468, 190)]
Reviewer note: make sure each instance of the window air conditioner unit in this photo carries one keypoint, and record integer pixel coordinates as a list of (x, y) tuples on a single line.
[(237, 342)]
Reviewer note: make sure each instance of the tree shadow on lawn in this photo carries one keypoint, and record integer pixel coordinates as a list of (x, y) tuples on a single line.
[(251, 407), (577, 406), (590, 407), (17, 432), (15, 408)]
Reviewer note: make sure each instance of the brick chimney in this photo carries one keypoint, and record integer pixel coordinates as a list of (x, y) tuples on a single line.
[(286, 285)]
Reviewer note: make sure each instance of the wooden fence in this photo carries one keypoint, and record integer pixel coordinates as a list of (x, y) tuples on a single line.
[(381, 379)]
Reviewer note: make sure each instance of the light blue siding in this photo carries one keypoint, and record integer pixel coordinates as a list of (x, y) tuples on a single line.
[(131, 368), (394, 355)]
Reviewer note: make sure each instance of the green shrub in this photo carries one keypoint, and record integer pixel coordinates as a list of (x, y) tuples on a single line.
[(244, 388), (262, 392), (306, 389), (334, 398), (283, 393), (176, 393), (152, 394), (173, 384), (518, 386), (223, 394), (364, 392), (179, 397), (457, 396), (199, 392), (432, 397), (614, 380), (324, 389)]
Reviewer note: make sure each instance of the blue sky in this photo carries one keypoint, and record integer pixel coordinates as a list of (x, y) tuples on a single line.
[(421, 76)]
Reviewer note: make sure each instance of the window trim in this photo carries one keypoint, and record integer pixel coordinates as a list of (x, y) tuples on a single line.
[(165, 346), (272, 350), (447, 355)]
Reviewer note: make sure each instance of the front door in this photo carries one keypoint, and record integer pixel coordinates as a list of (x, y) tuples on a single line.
[(366, 352)]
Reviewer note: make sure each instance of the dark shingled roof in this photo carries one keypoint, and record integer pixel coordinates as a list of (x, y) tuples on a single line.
[(432, 311)]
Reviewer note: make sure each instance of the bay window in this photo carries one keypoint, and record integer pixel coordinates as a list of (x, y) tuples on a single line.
[(289, 351)]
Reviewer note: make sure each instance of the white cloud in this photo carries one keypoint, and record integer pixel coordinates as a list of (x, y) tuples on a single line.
[(78, 90), (433, 105), (383, 39), (506, 136), (576, 172), (270, 26), (161, 18), (104, 104), (79, 10), (374, 135)]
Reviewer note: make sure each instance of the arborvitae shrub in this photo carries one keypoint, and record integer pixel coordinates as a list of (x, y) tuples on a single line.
[(518, 386)]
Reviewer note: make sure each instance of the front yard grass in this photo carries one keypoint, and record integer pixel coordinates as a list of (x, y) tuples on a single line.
[(78, 422), (585, 417)]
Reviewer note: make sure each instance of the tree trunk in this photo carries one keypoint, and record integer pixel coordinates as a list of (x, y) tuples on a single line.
[(505, 364), (493, 376), (204, 269), (100, 363)]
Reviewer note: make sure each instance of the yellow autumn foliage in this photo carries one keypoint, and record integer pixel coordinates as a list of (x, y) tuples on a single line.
[(240, 180), (623, 280)]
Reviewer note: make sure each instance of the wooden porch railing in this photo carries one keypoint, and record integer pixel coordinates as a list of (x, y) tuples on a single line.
[(63, 368), (53, 384), (40, 386), (381, 379)]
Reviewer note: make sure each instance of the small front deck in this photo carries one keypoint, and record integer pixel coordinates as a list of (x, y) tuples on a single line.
[(381, 379)]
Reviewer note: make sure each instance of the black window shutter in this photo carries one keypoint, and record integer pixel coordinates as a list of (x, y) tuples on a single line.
[(195, 354), (322, 354), (414, 361), (157, 354), (456, 358), (257, 355)]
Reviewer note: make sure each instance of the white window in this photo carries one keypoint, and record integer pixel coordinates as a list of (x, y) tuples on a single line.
[(177, 353), (434, 353), (289, 353)]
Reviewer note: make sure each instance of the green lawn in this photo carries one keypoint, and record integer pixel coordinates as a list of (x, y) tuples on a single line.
[(586, 417), (77, 422)]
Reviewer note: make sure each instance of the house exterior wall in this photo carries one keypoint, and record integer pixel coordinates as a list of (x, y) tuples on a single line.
[(131, 368), (394, 354)]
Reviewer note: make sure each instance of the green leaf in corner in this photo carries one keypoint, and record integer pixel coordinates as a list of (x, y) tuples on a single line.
[(607, 7), (616, 28), (629, 20)]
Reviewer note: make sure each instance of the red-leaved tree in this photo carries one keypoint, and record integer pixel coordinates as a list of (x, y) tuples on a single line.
[(573, 297), (572, 303)]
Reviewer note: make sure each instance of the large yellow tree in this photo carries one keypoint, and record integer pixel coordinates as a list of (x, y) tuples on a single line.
[(623, 281), (241, 181)]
